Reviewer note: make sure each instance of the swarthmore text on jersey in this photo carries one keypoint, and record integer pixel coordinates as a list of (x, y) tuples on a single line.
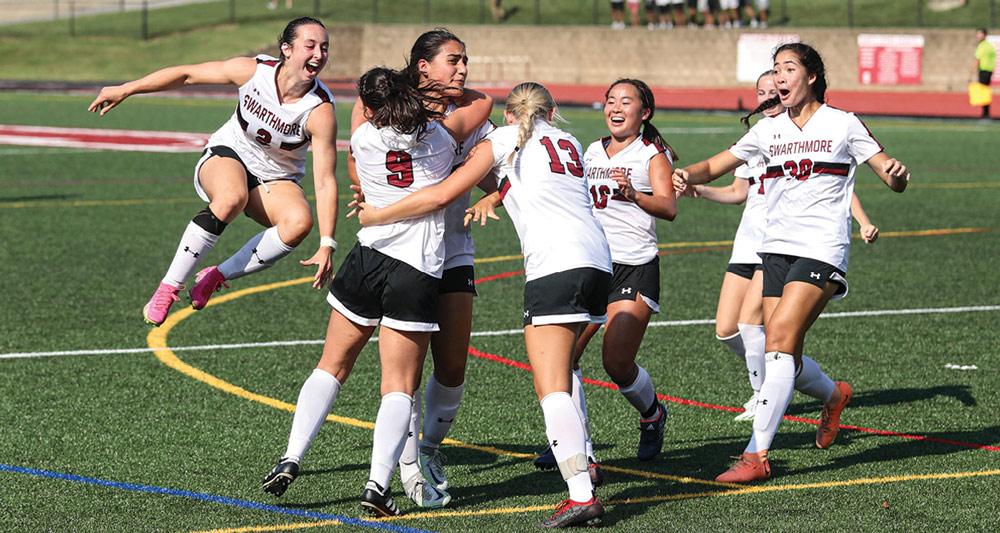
[(280, 127), (604, 173), (799, 147)]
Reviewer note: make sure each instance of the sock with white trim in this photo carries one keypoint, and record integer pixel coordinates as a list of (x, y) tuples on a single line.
[(315, 400), (735, 343), (753, 341), (641, 393), (408, 465), (261, 251), (812, 381), (772, 400), (565, 431), (390, 433), (580, 401), (441, 404), (195, 243)]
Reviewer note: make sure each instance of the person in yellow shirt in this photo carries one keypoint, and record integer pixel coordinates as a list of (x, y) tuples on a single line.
[(986, 58)]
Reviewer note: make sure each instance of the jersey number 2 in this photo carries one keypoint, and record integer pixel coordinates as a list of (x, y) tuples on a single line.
[(401, 166), (575, 167)]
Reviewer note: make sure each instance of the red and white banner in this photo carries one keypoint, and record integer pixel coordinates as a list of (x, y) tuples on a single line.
[(890, 59)]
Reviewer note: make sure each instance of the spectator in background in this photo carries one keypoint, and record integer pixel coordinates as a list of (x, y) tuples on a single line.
[(499, 13), (763, 6), (633, 12), (617, 14), (273, 4), (708, 8), (986, 59)]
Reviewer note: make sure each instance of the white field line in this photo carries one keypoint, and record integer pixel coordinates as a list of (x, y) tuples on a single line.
[(885, 312)]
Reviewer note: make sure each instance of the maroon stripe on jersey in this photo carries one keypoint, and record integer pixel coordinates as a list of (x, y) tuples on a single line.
[(503, 187), (773, 172), (880, 147), (837, 169), (322, 93), (659, 147), (268, 62), (294, 146), (239, 118)]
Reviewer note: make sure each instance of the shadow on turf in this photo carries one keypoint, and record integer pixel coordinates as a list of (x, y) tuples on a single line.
[(38, 198), (876, 398)]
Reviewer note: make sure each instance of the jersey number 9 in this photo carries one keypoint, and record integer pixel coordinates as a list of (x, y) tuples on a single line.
[(401, 166)]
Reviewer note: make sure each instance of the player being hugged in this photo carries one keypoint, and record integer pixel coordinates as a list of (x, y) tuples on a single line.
[(254, 163), (390, 277), (566, 259), (739, 318), (811, 153), (438, 63), (628, 175)]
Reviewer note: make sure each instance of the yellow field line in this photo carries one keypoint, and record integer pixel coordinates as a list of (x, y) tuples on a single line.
[(742, 490)]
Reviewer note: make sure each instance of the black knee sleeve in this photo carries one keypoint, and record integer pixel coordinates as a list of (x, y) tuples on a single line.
[(207, 221)]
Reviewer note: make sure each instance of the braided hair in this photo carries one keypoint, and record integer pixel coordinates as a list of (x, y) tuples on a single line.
[(529, 101), (649, 131), (766, 104), (393, 102)]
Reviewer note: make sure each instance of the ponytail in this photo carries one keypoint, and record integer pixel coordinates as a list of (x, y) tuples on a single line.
[(393, 102), (766, 104), (528, 102)]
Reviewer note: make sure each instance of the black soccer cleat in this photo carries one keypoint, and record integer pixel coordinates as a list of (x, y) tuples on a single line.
[(546, 460), (378, 501), (651, 434), (570, 513), (596, 476), (281, 477)]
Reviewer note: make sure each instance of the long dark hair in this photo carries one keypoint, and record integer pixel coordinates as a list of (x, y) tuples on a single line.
[(427, 47), (395, 103), (813, 64), (291, 31), (766, 104), (649, 131)]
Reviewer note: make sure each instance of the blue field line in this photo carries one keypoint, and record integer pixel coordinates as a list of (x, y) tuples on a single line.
[(211, 498)]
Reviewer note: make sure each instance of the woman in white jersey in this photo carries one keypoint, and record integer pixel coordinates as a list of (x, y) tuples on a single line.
[(438, 61), (739, 318), (254, 163), (390, 277), (566, 259), (812, 151), (628, 174)]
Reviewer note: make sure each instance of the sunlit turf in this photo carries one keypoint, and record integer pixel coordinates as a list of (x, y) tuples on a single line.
[(87, 234)]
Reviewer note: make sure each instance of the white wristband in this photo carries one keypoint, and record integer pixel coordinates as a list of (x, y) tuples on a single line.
[(328, 242)]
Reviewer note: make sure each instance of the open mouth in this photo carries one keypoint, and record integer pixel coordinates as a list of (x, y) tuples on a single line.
[(617, 120), (312, 67), (783, 93)]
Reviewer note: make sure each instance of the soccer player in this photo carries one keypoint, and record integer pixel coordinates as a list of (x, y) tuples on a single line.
[(629, 177), (739, 319), (254, 163), (566, 258), (391, 277), (813, 151), (438, 62)]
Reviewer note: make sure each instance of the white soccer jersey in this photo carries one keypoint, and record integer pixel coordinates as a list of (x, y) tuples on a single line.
[(750, 234), (458, 247), (809, 202), (545, 194), (268, 134), (391, 166), (631, 231)]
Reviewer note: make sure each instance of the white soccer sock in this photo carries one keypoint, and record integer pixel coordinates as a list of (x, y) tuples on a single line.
[(772, 400), (408, 460), (195, 243), (580, 401), (442, 407), (641, 393), (390, 433), (260, 252), (753, 341), (812, 381), (566, 436), (314, 403), (735, 343)]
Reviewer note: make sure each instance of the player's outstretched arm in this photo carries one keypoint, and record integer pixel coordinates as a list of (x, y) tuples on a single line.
[(322, 128), (236, 71), (890, 171)]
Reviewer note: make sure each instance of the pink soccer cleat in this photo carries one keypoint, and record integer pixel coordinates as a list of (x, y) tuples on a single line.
[(206, 282), (158, 307)]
